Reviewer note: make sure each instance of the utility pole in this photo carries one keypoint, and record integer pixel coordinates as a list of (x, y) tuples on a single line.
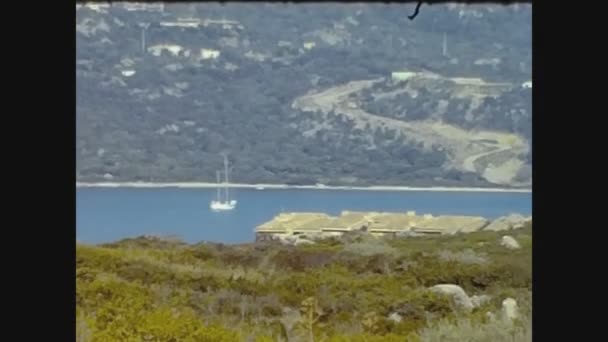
[(144, 27)]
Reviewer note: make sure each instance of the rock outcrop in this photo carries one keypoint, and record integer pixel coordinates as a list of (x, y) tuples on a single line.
[(513, 221), (478, 301), (509, 242), (510, 310), (458, 295)]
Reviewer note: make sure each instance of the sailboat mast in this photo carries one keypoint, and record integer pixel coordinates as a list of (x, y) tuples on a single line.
[(226, 176), (217, 176)]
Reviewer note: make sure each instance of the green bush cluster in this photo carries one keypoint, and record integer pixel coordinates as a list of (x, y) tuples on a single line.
[(146, 289)]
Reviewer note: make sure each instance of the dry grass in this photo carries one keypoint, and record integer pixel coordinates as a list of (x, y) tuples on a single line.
[(467, 256), (370, 248), (466, 329)]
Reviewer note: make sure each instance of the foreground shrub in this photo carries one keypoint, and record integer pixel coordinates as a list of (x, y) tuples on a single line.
[(467, 329), (373, 338), (364, 290), (370, 248)]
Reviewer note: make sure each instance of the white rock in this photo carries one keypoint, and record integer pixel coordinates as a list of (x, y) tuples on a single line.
[(513, 221), (478, 301), (288, 239), (395, 317), (461, 299), (509, 242), (509, 309), (303, 242)]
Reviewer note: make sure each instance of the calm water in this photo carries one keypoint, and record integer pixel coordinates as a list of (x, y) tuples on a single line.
[(104, 215)]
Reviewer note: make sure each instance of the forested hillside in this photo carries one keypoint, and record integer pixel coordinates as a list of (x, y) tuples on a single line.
[(349, 94)]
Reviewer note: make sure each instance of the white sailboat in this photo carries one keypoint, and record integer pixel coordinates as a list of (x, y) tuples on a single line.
[(227, 203)]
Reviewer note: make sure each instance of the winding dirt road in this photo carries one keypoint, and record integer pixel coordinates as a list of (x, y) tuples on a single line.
[(464, 148)]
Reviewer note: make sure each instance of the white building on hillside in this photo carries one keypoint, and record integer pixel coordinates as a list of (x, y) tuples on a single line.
[(157, 50), (402, 75), (209, 54), (140, 6)]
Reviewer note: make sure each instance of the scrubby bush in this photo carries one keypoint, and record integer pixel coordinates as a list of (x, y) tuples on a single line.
[(467, 256), (370, 248), (137, 290), (466, 329)]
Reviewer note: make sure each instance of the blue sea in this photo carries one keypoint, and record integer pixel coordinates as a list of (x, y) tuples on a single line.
[(111, 214)]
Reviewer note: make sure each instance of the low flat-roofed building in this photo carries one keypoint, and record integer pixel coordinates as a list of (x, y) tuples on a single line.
[(313, 225), (347, 222), (450, 225), (289, 224), (389, 224), (209, 54)]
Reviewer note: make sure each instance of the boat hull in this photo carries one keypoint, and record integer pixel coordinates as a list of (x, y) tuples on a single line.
[(222, 206)]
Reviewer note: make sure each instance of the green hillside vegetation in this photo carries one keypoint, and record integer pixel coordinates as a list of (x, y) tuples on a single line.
[(154, 289), (170, 120)]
